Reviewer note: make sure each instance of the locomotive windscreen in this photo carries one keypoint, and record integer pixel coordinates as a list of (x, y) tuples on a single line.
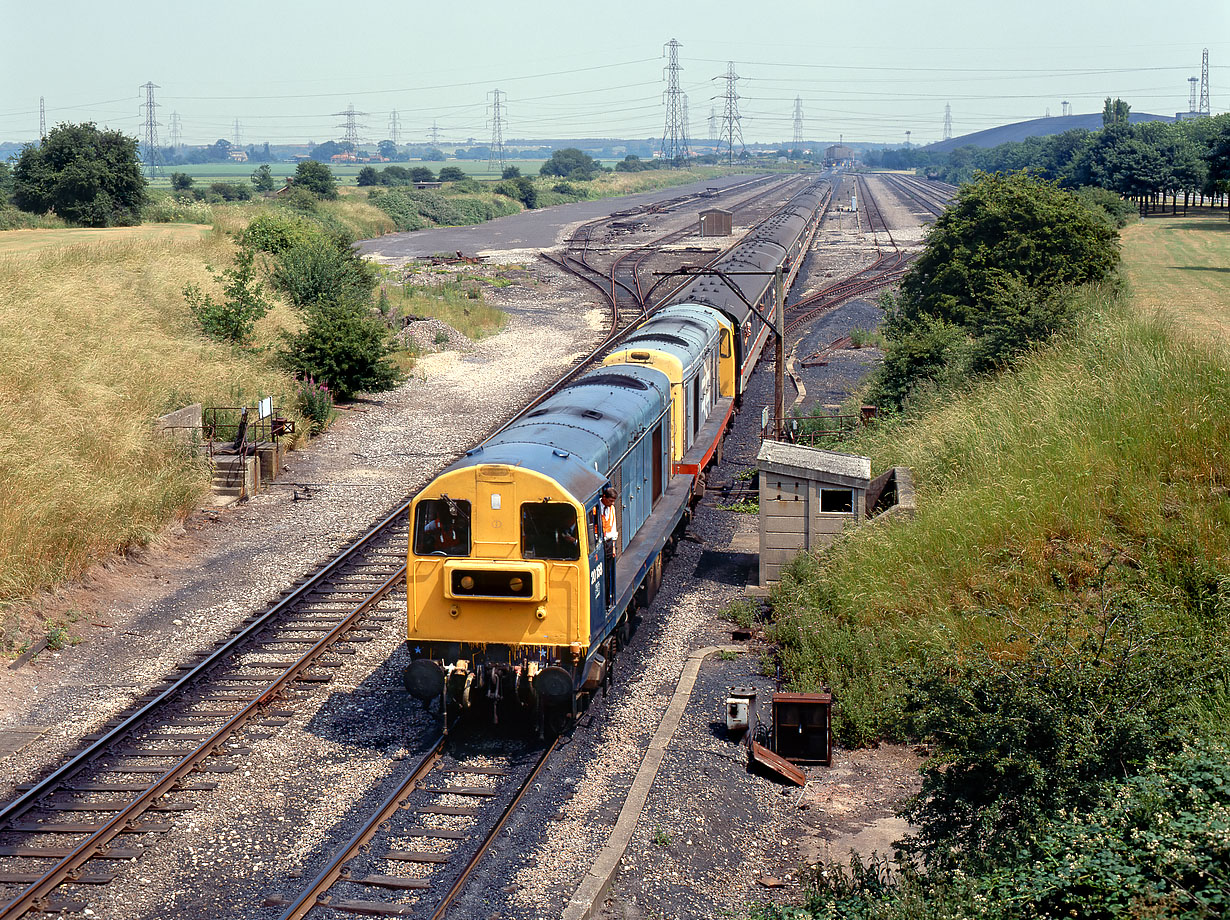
[(442, 527), (549, 531)]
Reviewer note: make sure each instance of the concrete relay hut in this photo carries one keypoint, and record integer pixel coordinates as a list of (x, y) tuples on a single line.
[(807, 497)]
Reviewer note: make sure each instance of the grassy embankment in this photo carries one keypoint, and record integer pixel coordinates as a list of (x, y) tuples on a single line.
[(1099, 466), (95, 343)]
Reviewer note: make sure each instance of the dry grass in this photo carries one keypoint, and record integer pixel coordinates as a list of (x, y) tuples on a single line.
[(95, 343), (20, 242), (1179, 267)]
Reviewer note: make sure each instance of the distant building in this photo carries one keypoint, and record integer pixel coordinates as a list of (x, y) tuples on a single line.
[(239, 156), (838, 155)]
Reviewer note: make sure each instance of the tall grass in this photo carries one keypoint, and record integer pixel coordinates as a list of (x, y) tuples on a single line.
[(96, 341), (453, 301), (1105, 453)]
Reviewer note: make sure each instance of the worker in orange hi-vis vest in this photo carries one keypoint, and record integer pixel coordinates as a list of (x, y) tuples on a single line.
[(610, 541)]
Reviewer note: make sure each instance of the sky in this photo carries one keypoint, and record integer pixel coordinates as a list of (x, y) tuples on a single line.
[(869, 72)]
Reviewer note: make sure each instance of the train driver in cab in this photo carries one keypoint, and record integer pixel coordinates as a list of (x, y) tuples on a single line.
[(610, 540)]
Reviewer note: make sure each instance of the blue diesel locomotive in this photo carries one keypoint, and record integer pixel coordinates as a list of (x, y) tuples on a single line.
[(507, 596)]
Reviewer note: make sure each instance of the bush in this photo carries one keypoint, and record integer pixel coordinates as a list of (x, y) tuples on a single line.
[(1021, 739), (321, 269), (176, 210), (367, 176), (451, 174), (233, 319), (231, 191), (511, 172), (181, 182), (346, 346), (521, 189), (275, 234)]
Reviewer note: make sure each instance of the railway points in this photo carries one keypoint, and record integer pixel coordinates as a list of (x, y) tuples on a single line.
[(679, 595)]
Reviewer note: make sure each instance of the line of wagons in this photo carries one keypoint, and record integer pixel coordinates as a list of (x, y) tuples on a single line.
[(507, 601)]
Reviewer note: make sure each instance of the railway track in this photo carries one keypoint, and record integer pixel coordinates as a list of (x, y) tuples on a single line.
[(154, 761), (412, 857), (889, 266)]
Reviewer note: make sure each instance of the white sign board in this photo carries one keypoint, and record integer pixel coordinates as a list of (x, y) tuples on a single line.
[(764, 419), (264, 408)]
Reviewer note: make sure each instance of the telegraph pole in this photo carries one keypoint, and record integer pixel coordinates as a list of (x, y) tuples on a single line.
[(779, 353), (674, 135), (497, 132)]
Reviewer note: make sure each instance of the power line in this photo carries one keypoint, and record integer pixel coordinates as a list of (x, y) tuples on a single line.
[(713, 123), (731, 126), (674, 135), (151, 129), (497, 132)]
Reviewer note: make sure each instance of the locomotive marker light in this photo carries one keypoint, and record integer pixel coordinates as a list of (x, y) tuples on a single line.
[(777, 322)]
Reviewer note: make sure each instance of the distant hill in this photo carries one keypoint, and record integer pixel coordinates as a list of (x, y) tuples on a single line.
[(1038, 127)]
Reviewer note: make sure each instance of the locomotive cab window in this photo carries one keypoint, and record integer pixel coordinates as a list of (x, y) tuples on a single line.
[(549, 531), (442, 528)]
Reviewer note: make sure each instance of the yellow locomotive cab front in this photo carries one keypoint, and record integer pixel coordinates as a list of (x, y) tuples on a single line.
[(498, 556)]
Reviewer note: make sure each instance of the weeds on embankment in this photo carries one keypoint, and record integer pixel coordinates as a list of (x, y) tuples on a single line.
[(96, 342), (1097, 465)]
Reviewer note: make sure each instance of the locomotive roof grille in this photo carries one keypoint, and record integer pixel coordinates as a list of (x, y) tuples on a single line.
[(660, 337), (611, 380)]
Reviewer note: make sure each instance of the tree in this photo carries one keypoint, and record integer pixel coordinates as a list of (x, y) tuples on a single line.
[(570, 163), (992, 281), (368, 176), (1115, 113), (344, 345), (423, 174), (323, 152), (511, 172), (451, 174), (231, 320), (181, 182), (84, 175), (317, 178), (387, 149), (262, 179), (6, 183)]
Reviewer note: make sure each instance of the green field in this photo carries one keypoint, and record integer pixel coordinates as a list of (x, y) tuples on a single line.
[(346, 173), (1178, 266)]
